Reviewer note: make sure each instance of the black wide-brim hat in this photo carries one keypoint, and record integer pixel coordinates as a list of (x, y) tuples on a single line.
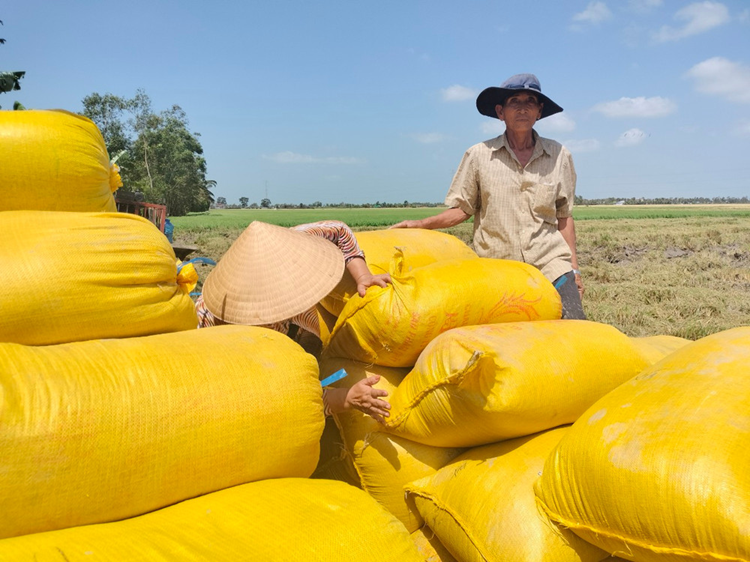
[(492, 96)]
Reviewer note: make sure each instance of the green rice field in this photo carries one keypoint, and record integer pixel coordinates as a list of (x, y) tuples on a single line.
[(362, 218)]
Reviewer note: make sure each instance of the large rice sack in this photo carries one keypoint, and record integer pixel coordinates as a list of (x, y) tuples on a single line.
[(481, 384), (391, 326), (481, 505), (54, 161), (82, 276), (429, 546), (102, 430), (398, 251), (384, 463), (273, 520), (658, 468), (656, 348)]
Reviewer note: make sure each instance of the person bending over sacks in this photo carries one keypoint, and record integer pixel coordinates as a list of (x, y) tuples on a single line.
[(520, 189), (274, 277)]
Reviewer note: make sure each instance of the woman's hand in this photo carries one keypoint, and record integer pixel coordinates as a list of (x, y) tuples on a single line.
[(363, 397), (369, 279)]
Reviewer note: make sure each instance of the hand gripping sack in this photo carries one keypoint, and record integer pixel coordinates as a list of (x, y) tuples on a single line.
[(54, 161), (657, 470), (98, 431), (481, 384), (481, 505), (278, 520), (397, 251), (392, 326), (83, 276), (383, 463)]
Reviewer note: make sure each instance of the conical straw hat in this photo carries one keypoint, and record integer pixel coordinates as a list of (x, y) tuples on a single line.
[(271, 273)]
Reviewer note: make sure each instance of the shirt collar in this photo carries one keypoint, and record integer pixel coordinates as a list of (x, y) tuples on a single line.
[(502, 142)]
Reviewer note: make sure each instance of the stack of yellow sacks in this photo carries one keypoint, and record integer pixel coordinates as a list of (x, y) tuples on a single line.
[(484, 406), (127, 434)]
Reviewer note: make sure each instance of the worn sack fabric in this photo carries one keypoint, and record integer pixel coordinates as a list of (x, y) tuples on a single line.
[(83, 276), (383, 463), (273, 520), (54, 161), (102, 430), (482, 507), (656, 348), (398, 251), (430, 547), (481, 384), (391, 326), (658, 468)]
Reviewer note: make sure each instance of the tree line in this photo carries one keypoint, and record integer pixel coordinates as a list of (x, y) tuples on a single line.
[(159, 157)]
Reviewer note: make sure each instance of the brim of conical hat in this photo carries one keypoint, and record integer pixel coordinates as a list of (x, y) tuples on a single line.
[(270, 274)]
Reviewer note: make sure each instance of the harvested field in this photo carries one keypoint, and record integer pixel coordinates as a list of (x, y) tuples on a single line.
[(687, 275)]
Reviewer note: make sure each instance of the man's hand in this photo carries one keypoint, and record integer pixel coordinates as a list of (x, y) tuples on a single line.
[(579, 284), (363, 397), (406, 224)]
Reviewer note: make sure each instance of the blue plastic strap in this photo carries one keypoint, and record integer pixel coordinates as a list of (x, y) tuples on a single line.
[(337, 376), (209, 261)]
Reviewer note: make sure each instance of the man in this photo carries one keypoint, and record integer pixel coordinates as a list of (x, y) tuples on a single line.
[(520, 189)]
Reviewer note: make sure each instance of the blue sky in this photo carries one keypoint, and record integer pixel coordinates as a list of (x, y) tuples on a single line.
[(363, 101)]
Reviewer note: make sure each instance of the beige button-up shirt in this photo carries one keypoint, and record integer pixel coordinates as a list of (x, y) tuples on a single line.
[(516, 208)]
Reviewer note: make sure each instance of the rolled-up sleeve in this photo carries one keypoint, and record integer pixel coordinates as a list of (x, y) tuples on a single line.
[(567, 193), (464, 191)]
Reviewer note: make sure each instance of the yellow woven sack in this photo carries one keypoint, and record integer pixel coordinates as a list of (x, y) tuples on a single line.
[(656, 348), (83, 276), (54, 161), (481, 505), (658, 468), (392, 326), (384, 463), (101, 430), (429, 547), (398, 251), (481, 384), (280, 520)]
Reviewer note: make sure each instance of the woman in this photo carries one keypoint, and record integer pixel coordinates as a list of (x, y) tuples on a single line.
[(274, 277)]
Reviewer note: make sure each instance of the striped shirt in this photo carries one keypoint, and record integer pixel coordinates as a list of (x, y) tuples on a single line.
[(516, 207), (333, 231)]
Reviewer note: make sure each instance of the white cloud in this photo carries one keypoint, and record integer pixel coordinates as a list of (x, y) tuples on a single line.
[(643, 6), (699, 17), (289, 157), (721, 77), (637, 107), (584, 145), (457, 93), (557, 123), (743, 129), (594, 14), (631, 137), (494, 127), (428, 138)]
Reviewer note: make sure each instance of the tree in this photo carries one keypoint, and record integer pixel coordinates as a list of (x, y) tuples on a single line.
[(221, 201), (244, 201), (10, 81), (157, 153), (265, 203)]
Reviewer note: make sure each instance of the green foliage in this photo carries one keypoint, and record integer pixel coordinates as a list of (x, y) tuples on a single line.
[(160, 157), (10, 81)]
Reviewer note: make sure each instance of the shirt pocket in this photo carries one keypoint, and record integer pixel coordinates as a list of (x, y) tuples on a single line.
[(545, 202)]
